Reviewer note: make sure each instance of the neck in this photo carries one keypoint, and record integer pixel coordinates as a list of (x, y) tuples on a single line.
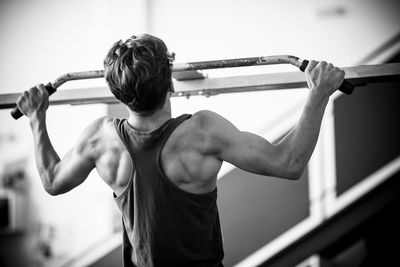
[(149, 122)]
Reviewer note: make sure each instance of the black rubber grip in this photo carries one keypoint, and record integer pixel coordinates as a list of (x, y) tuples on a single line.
[(16, 113), (346, 86)]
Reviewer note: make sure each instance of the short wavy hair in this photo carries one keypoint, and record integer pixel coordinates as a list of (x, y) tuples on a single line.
[(138, 72)]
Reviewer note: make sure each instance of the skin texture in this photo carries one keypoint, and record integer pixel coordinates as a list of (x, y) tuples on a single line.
[(193, 154)]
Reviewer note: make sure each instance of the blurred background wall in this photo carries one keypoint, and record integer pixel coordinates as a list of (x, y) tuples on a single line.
[(42, 39)]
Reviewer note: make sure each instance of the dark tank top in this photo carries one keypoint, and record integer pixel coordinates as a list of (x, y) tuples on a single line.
[(164, 225)]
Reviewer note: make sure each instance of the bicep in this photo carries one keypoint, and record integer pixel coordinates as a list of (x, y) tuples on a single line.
[(247, 151), (79, 161), (71, 171), (251, 153)]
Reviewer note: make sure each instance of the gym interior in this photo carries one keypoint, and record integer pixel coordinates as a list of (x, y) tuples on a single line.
[(343, 211)]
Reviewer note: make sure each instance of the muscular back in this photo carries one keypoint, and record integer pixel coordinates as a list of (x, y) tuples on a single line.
[(187, 158)]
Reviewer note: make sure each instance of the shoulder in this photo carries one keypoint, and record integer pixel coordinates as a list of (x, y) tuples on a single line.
[(97, 128), (207, 129), (213, 123), (207, 119), (93, 135), (200, 123)]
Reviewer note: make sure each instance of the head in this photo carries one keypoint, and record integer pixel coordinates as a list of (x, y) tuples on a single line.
[(138, 72)]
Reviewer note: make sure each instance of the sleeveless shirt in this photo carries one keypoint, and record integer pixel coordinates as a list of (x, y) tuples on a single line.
[(164, 225)]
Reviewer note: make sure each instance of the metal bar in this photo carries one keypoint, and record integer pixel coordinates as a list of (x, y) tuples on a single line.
[(359, 75), (238, 62), (82, 75), (69, 96), (191, 66)]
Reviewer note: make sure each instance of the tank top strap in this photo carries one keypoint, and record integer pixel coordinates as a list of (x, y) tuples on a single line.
[(170, 128), (123, 133)]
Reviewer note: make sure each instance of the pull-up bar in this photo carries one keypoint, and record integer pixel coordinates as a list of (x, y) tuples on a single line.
[(357, 75), (346, 87)]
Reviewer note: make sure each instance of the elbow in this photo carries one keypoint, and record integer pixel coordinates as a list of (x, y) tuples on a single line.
[(294, 173), (294, 168), (291, 164), (51, 191), (286, 171), (48, 184)]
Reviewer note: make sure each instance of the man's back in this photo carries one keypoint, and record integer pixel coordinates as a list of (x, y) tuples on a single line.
[(164, 225), (186, 157)]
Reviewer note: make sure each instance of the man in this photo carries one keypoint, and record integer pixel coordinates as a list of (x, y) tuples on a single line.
[(163, 171)]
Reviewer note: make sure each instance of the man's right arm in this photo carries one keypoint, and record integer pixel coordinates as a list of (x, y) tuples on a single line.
[(288, 158), (58, 175)]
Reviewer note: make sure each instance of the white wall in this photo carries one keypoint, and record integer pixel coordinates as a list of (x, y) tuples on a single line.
[(199, 30), (43, 39)]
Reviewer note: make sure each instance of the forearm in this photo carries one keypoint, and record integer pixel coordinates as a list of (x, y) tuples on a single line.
[(45, 155), (299, 144)]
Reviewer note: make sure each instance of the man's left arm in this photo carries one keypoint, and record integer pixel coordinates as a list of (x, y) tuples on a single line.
[(323, 80)]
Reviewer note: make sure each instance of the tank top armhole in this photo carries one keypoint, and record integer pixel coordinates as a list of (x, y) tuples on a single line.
[(117, 123)]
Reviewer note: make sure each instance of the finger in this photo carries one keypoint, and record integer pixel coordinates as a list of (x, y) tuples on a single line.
[(330, 66), (21, 104), (338, 71), (342, 74), (323, 64), (20, 99), (34, 91), (311, 65), (42, 89)]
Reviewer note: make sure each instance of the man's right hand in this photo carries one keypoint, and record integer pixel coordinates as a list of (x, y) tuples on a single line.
[(33, 101), (324, 78)]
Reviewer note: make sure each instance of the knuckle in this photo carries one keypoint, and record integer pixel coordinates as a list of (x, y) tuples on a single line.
[(39, 87), (33, 90), (22, 99)]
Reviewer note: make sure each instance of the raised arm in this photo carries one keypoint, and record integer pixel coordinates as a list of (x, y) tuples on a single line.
[(323, 80), (58, 176), (290, 156)]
